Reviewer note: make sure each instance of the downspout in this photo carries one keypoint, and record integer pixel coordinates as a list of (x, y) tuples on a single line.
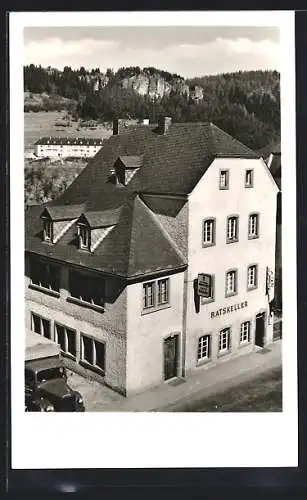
[(185, 303), (184, 321)]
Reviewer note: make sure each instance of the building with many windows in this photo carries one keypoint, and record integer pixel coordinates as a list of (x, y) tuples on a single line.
[(272, 157), (158, 261), (63, 147)]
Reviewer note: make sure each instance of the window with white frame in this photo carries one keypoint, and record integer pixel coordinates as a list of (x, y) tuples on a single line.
[(66, 338), (149, 294), (92, 352), (249, 178), (48, 230), (224, 340), (203, 350), (224, 179), (231, 282), (232, 229), (84, 237), (252, 272), (163, 291), (253, 226), (208, 232), (41, 325), (45, 275), (156, 293), (245, 332)]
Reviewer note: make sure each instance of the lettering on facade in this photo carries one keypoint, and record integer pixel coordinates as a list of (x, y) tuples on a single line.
[(228, 309)]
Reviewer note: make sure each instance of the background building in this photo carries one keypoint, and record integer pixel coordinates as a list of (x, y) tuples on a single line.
[(61, 147)]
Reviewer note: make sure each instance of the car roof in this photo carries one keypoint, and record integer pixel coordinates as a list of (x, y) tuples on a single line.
[(43, 364)]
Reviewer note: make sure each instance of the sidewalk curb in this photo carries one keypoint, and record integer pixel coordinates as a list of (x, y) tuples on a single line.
[(232, 374)]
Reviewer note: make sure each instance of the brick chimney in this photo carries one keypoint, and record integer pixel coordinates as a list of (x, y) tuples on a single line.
[(119, 126), (164, 124)]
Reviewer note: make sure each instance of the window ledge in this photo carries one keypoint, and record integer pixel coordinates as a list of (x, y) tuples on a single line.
[(252, 237), (206, 245), (232, 241), (248, 186), (88, 305), (68, 355), (202, 362), (155, 309), (232, 294), (223, 188), (222, 354), (244, 344), (251, 288), (93, 368), (42, 289), (204, 301)]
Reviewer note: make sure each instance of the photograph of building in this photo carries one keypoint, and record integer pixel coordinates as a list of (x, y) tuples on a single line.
[(155, 271), (162, 266)]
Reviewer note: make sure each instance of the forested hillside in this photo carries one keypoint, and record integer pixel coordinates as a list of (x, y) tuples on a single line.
[(244, 104)]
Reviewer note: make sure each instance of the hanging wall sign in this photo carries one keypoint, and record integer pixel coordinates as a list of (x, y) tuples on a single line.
[(204, 285)]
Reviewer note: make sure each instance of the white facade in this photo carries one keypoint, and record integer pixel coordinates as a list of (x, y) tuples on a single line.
[(66, 150), (209, 201)]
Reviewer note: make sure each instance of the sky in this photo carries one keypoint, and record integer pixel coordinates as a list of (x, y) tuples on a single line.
[(187, 51)]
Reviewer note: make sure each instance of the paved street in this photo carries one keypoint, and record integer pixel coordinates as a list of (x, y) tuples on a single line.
[(261, 394), (175, 396)]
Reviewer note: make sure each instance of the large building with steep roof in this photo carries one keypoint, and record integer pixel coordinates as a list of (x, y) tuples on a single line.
[(157, 261)]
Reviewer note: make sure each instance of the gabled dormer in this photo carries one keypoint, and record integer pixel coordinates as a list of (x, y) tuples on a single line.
[(126, 167), (58, 219), (93, 227)]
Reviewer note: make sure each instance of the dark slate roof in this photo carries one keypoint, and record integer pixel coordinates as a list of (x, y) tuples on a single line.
[(102, 218), (75, 141), (275, 165), (131, 161), (63, 212), (135, 246), (275, 168), (270, 148), (164, 206), (172, 164)]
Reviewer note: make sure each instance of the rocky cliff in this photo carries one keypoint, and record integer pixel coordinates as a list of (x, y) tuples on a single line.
[(155, 86)]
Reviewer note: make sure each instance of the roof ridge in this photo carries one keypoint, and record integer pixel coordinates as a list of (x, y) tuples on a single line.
[(162, 228)]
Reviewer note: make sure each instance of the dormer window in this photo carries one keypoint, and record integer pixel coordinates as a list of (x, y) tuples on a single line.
[(93, 227), (48, 230), (57, 220), (84, 238), (126, 167)]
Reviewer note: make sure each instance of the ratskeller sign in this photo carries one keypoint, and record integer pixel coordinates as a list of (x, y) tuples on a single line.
[(228, 309)]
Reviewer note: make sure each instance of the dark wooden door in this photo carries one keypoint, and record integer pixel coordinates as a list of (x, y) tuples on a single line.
[(260, 329), (170, 357)]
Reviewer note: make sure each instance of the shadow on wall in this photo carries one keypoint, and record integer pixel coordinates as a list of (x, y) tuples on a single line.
[(196, 296)]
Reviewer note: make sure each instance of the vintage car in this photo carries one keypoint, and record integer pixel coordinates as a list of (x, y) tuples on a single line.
[(46, 387)]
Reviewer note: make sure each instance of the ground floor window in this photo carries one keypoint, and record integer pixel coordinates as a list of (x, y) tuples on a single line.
[(224, 340), (203, 351), (41, 325), (66, 337), (92, 352), (245, 332)]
